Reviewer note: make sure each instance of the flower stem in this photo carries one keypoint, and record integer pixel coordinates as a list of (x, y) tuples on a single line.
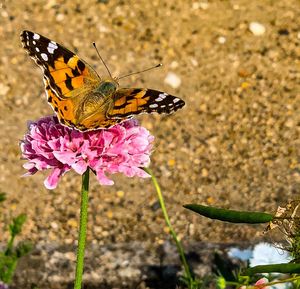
[(82, 229), (180, 250)]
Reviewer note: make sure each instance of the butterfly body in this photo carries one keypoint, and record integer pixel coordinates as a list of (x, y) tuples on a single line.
[(107, 88), (80, 98)]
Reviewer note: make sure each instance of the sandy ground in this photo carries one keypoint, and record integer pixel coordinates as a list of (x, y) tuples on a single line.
[(235, 144)]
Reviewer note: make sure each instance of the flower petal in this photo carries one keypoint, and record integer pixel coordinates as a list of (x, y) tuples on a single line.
[(52, 180)]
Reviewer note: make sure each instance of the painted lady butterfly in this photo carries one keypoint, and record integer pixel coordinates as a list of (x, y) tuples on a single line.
[(80, 98)]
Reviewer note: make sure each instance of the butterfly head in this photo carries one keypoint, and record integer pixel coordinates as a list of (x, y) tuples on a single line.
[(107, 87)]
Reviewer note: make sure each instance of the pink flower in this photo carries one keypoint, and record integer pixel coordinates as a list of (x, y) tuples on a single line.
[(3, 285), (123, 148), (261, 281)]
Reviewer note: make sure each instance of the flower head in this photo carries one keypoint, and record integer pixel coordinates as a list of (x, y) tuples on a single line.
[(260, 282), (3, 285), (124, 148)]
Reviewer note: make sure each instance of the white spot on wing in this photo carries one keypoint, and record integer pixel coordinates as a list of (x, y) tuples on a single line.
[(176, 100), (36, 36), (44, 56), (34, 42), (51, 47), (154, 105), (37, 49), (50, 50), (161, 96)]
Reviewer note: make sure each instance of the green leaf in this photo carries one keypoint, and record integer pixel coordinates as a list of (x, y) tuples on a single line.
[(231, 216), (23, 249), (220, 282), (2, 197), (7, 267), (15, 227), (274, 268)]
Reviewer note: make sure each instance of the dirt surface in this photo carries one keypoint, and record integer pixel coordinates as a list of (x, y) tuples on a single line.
[(235, 144)]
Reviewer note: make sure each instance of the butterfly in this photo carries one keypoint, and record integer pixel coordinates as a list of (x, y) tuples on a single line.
[(80, 97)]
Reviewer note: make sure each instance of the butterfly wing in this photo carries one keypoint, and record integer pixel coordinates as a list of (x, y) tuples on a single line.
[(132, 101), (67, 78)]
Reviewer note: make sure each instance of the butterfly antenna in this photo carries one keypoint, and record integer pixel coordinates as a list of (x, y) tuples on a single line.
[(94, 44), (158, 65)]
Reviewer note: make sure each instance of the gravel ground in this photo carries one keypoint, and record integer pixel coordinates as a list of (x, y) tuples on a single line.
[(235, 144)]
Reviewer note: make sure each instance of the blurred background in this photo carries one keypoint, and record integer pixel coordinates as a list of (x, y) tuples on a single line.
[(235, 144)]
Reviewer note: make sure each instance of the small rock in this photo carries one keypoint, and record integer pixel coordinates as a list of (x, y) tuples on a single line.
[(221, 39), (283, 31), (102, 28), (257, 28), (70, 256), (204, 172), (203, 5), (200, 5), (289, 123), (174, 64), (194, 62), (129, 273), (3, 89), (172, 80), (120, 194), (72, 223), (195, 5), (54, 225), (60, 17)]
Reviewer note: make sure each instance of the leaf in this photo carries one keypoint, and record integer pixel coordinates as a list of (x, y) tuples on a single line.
[(23, 249), (2, 197), (274, 268), (15, 227), (231, 216), (7, 267)]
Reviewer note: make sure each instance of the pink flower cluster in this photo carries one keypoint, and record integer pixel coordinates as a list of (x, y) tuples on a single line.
[(124, 148), (259, 284)]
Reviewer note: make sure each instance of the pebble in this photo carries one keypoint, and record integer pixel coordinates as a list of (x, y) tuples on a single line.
[(54, 225), (221, 39), (129, 273), (3, 89), (70, 256), (120, 194), (174, 64), (172, 80), (60, 17), (194, 62), (204, 172), (257, 28), (200, 5)]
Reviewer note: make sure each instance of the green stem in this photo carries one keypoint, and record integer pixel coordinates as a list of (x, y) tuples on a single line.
[(82, 229), (292, 279), (10, 245), (172, 232)]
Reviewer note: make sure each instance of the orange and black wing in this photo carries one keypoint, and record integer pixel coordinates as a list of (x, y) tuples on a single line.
[(67, 78), (132, 101)]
